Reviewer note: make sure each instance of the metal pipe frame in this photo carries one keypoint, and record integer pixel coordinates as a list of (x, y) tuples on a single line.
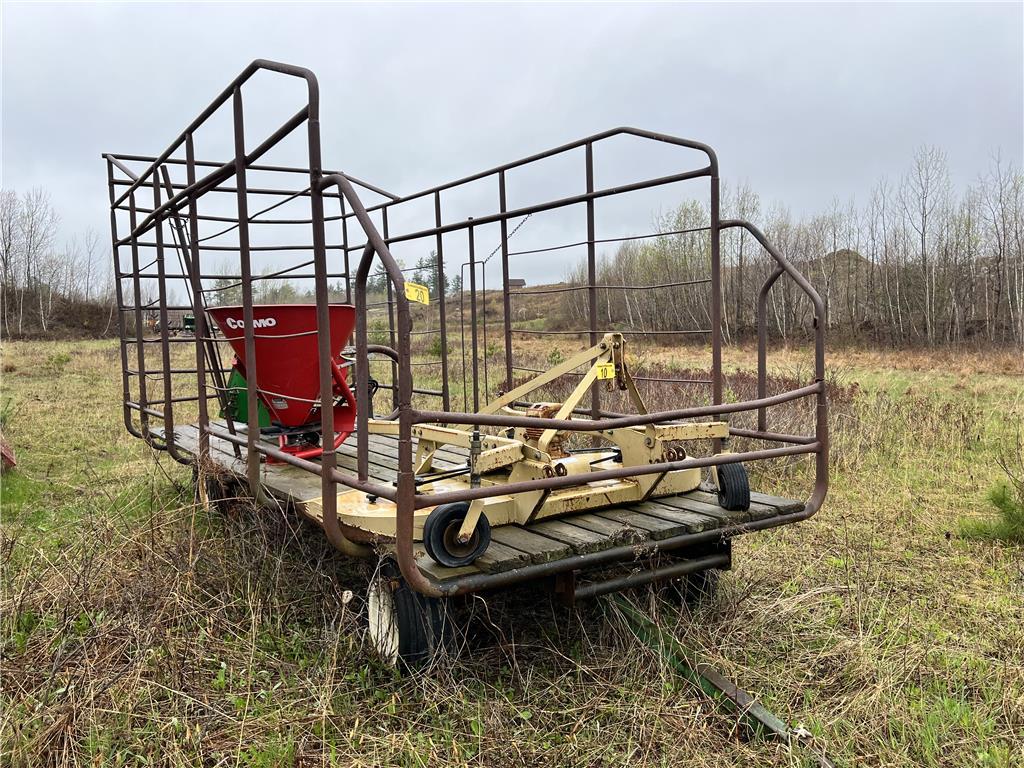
[(183, 200)]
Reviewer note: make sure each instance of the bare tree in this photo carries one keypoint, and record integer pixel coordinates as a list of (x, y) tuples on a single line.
[(37, 225), (924, 195), (10, 248)]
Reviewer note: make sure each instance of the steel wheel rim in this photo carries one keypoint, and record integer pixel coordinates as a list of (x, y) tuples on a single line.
[(453, 546)]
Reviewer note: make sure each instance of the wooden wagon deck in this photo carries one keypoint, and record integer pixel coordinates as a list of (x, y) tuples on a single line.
[(512, 546)]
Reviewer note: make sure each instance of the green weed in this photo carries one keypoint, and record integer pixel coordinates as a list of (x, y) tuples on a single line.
[(1007, 525)]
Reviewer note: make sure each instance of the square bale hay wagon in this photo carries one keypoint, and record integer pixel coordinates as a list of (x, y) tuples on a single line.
[(592, 490)]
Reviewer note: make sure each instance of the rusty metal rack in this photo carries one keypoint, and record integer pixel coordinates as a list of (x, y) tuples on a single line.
[(178, 218)]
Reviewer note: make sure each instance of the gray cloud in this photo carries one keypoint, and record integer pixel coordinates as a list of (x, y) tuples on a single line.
[(806, 103)]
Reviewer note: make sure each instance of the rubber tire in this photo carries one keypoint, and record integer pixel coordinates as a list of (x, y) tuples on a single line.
[(733, 487), (405, 628), (439, 521), (222, 493)]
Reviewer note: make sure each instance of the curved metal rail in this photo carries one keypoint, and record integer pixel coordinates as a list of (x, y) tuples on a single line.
[(177, 205)]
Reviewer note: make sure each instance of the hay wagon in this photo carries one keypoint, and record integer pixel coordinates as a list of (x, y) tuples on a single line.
[(408, 425)]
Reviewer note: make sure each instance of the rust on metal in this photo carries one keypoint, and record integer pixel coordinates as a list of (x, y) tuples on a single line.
[(177, 202)]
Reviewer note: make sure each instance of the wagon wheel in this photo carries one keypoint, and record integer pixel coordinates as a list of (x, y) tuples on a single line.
[(405, 627), (441, 535), (222, 491), (733, 487)]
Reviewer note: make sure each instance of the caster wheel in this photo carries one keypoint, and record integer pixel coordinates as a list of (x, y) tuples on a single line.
[(404, 627), (441, 532), (733, 487)]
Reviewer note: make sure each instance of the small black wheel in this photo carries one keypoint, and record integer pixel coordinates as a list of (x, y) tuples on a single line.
[(733, 487), (441, 535), (405, 627)]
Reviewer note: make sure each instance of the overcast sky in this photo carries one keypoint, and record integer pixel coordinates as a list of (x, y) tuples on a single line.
[(805, 103)]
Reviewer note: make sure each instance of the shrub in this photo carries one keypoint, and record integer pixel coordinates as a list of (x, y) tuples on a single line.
[(58, 361), (1008, 523), (434, 348), (378, 332)]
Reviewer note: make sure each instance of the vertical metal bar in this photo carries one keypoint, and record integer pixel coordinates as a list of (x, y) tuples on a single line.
[(344, 250), (199, 311), (716, 295), (472, 315), (506, 299), (442, 290), (362, 366), (328, 457), (391, 319), (462, 335), (821, 409), (595, 391), (762, 344), (483, 301), (165, 347), (252, 414), (119, 297), (140, 348)]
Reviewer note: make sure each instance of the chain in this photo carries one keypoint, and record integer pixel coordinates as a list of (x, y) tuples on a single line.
[(510, 234)]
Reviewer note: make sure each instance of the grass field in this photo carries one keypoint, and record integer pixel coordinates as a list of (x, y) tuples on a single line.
[(138, 629)]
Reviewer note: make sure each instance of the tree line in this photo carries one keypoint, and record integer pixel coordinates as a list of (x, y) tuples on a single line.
[(919, 263), (44, 282)]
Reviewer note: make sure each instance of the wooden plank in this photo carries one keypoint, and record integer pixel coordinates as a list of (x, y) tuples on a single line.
[(512, 546), (580, 539), (440, 572), (387, 451), (656, 527), (692, 503), (692, 521), (387, 445), (541, 549), (281, 480), (498, 557), (385, 467), (616, 532), (784, 506), (755, 511)]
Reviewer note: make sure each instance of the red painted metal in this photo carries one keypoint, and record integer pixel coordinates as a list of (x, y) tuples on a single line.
[(287, 372)]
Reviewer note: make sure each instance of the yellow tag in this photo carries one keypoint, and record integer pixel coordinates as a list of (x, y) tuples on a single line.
[(416, 292), (605, 371)]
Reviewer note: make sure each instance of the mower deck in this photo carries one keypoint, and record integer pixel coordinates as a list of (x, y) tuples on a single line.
[(642, 524)]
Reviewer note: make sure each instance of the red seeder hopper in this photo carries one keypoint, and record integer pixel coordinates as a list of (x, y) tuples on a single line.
[(286, 369)]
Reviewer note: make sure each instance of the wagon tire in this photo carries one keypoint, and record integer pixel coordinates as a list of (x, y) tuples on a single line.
[(405, 628), (440, 532), (221, 491), (733, 487)]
